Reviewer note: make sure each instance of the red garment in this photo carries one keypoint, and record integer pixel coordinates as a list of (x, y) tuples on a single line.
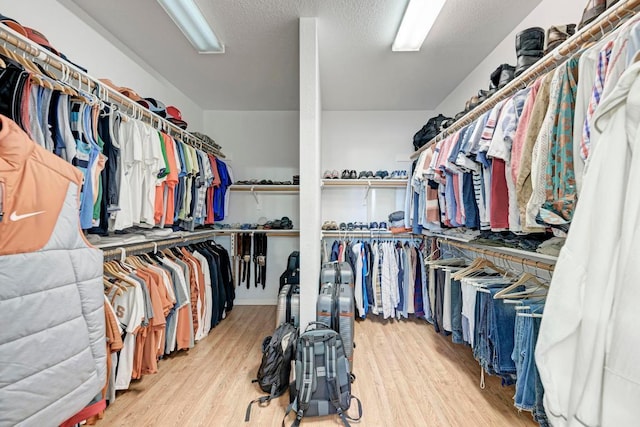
[(499, 214)]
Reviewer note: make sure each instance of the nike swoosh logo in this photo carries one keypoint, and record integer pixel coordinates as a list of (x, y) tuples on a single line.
[(15, 217)]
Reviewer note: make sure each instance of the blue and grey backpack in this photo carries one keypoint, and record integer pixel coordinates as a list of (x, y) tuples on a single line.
[(323, 378)]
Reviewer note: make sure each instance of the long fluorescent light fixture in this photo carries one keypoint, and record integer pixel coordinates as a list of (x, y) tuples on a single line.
[(417, 21), (189, 18)]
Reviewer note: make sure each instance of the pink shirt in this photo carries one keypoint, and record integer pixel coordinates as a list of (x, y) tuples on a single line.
[(521, 131)]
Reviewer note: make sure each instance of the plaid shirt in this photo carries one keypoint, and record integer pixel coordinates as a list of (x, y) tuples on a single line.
[(598, 87)]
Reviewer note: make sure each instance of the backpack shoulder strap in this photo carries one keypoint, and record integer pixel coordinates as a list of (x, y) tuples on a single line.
[(331, 359), (301, 402), (308, 376)]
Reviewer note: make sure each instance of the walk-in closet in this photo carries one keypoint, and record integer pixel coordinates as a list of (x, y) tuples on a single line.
[(319, 212)]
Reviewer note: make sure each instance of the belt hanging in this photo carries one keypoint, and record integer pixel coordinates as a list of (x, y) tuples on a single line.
[(245, 258), (260, 259)]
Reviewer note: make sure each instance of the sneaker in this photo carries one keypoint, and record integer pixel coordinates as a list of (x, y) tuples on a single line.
[(362, 175), (335, 174), (383, 226), (326, 225), (382, 174), (327, 174), (346, 174), (374, 226), (403, 174), (343, 226), (350, 226), (353, 175), (370, 175)]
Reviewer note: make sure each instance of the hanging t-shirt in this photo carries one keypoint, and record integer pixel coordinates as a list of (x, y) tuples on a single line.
[(220, 193)]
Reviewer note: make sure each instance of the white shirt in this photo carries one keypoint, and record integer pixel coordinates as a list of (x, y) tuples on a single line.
[(208, 303), (576, 329), (130, 310)]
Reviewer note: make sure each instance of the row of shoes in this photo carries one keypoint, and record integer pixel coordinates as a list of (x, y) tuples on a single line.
[(352, 174), (263, 182), (354, 226), (531, 46), (283, 223)]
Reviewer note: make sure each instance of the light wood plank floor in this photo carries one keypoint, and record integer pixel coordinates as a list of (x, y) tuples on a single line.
[(407, 375)]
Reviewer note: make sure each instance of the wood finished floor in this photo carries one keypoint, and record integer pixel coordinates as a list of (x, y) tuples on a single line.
[(407, 375)]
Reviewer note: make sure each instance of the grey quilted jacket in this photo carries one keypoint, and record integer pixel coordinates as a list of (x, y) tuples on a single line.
[(52, 333)]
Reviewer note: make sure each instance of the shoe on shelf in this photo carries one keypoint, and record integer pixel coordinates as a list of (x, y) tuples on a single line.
[(326, 225), (556, 35), (370, 175), (286, 223), (404, 174), (350, 226), (327, 175), (382, 174), (374, 226), (362, 175), (343, 226), (529, 48), (383, 226), (500, 77), (335, 175), (506, 75), (353, 174), (346, 174), (592, 10)]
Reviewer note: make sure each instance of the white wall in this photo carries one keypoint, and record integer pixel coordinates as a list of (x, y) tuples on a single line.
[(80, 40), (310, 131), (366, 140), (260, 145), (548, 13)]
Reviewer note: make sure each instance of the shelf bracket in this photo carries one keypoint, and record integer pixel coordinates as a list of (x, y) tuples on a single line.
[(366, 194), (255, 196)]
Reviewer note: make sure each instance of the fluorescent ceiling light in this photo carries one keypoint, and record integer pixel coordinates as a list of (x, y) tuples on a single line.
[(189, 18), (417, 21)]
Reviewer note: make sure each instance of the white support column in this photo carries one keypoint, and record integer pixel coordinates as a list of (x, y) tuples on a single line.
[(310, 173)]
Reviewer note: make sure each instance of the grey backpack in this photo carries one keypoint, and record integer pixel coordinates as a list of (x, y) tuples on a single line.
[(323, 378), (278, 351)]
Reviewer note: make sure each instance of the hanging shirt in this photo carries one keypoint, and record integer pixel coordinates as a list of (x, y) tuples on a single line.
[(560, 188), (220, 192), (540, 156)]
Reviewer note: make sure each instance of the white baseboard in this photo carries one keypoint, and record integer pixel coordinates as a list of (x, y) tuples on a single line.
[(255, 302)]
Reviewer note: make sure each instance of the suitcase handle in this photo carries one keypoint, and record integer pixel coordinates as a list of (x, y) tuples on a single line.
[(315, 324)]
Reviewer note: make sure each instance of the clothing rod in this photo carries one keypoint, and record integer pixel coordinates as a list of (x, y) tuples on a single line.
[(601, 27), (112, 252), (29, 47), (516, 259), (202, 236)]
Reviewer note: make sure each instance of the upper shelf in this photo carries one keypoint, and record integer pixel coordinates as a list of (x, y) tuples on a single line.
[(266, 188), (372, 183)]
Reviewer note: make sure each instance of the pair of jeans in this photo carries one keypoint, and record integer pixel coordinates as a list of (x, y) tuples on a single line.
[(525, 395), (456, 312), (502, 336), (481, 349), (439, 306)]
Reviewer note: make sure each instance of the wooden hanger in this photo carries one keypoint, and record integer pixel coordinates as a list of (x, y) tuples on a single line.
[(525, 278), (109, 285), (135, 261), (479, 264)]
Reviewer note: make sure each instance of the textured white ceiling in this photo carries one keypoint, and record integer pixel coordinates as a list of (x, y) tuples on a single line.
[(259, 70)]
